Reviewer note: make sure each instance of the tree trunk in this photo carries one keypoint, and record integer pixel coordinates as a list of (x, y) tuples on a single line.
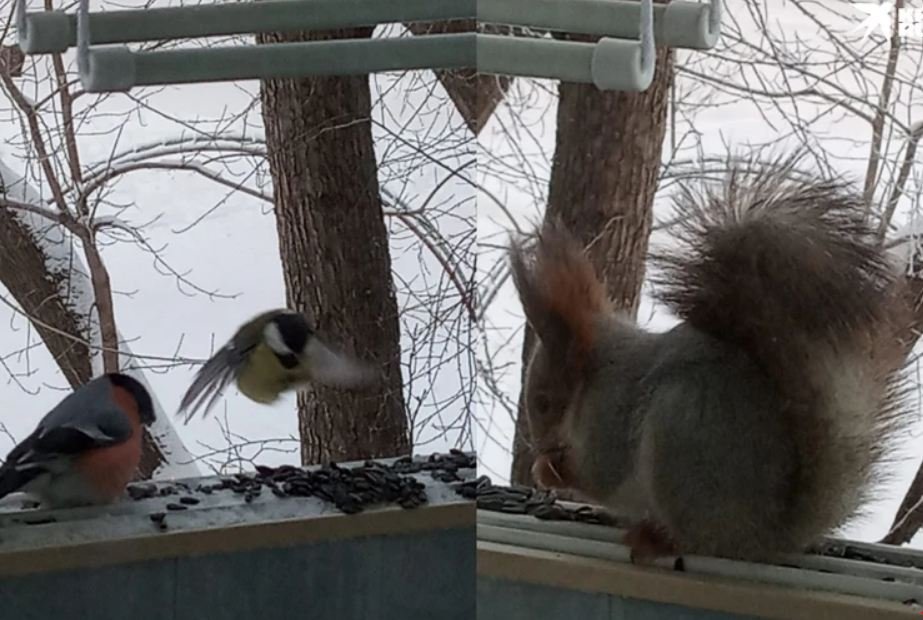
[(24, 273), (603, 180), (522, 440), (335, 255), (909, 516)]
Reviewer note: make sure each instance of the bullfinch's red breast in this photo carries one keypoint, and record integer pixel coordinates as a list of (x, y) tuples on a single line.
[(85, 450)]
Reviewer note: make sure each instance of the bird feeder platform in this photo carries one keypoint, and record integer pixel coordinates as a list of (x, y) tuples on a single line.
[(393, 539), (538, 557)]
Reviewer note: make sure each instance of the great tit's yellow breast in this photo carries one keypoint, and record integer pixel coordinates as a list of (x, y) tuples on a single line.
[(263, 377)]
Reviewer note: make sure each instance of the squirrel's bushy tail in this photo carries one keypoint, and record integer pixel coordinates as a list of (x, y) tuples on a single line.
[(785, 266)]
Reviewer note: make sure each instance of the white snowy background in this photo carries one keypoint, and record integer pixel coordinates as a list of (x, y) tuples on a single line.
[(225, 242), (513, 190)]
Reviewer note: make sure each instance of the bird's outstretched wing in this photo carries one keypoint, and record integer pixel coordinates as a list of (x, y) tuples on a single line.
[(211, 380)]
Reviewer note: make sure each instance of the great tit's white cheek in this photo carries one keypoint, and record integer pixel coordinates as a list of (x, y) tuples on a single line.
[(273, 338)]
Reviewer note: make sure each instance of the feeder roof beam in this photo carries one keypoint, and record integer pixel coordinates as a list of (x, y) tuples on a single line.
[(117, 68), (682, 24), (55, 31), (610, 64)]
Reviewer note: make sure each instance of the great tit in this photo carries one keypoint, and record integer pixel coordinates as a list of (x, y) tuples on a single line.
[(85, 450), (270, 354)]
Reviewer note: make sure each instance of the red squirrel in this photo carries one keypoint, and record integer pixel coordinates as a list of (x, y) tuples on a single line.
[(762, 421)]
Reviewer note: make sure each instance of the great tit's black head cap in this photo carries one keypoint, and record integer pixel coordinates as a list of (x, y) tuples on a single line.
[(139, 393), (294, 329)]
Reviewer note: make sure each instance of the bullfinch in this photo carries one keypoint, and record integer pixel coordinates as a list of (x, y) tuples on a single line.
[(85, 450)]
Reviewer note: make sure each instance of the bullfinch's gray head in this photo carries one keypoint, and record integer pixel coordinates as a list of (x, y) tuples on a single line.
[(139, 393), (287, 334)]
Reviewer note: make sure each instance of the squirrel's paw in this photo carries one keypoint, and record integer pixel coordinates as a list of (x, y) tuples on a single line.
[(648, 541), (551, 471)]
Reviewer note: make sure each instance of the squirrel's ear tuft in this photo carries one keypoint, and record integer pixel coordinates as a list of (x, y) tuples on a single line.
[(560, 293), (530, 291)]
